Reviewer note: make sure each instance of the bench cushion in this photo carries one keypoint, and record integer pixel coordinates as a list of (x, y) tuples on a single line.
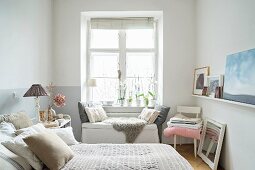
[(102, 125), (180, 131)]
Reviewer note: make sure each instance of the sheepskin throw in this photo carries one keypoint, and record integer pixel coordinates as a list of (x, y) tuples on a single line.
[(130, 126)]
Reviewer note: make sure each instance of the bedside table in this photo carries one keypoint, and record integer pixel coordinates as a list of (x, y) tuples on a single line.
[(59, 123)]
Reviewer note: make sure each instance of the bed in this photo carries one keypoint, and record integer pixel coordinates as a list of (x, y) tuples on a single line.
[(116, 157), (126, 157), (104, 157)]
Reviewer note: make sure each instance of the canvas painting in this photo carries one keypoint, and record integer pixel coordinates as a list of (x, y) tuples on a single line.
[(240, 77)]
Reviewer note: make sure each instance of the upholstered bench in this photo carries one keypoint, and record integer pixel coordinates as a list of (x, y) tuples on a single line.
[(100, 132)]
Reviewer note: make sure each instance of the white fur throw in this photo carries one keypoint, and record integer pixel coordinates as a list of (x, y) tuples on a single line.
[(130, 126)]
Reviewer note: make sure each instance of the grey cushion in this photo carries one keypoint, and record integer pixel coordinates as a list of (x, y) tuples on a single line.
[(163, 114), (82, 112), (161, 119)]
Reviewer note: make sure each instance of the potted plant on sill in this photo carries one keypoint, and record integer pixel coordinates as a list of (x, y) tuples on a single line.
[(138, 99), (130, 100), (153, 100)]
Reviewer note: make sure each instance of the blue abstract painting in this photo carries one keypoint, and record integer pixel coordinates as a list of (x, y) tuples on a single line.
[(239, 84)]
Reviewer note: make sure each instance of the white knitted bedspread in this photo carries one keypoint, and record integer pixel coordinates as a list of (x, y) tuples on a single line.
[(126, 157)]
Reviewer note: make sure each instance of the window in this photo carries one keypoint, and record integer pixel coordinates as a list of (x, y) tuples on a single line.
[(122, 58)]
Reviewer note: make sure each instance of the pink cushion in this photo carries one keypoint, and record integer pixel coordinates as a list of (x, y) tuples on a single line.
[(185, 132)]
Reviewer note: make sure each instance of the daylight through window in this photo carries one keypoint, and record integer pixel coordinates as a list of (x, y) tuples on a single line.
[(122, 58)]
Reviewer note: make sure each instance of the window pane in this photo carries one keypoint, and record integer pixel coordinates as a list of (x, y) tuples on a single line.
[(140, 64), (140, 86), (140, 38), (105, 90), (104, 38), (104, 64)]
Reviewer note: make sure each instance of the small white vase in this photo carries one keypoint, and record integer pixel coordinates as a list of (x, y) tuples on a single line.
[(152, 103), (51, 114), (138, 102)]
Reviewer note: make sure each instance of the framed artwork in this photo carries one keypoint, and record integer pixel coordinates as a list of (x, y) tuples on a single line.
[(239, 82), (212, 82), (43, 116), (199, 78)]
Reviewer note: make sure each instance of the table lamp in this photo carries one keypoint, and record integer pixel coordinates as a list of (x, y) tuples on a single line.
[(36, 90), (92, 83)]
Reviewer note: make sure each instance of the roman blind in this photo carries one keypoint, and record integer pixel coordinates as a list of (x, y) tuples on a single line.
[(122, 23)]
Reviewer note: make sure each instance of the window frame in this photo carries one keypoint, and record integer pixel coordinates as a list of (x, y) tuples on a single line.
[(122, 50)]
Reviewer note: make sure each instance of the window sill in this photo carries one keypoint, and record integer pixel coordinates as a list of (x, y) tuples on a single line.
[(119, 109)]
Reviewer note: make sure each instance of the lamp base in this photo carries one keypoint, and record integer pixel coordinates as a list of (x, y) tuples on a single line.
[(37, 107)]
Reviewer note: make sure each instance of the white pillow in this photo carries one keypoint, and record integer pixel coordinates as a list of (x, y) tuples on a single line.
[(7, 128), (19, 147), (6, 131), (95, 114), (149, 115), (66, 134), (39, 127), (12, 157)]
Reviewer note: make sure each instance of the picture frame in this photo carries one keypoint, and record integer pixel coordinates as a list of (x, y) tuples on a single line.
[(239, 80), (199, 78), (213, 82), (43, 116), (209, 148)]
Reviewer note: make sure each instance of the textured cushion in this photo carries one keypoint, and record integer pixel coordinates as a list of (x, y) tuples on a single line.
[(50, 149), (95, 114), (19, 147), (19, 120), (82, 112), (162, 115), (149, 115), (153, 117), (66, 134)]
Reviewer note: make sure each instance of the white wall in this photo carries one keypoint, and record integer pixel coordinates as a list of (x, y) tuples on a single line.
[(179, 37), (25, 52), (225, 27), (25, 43)]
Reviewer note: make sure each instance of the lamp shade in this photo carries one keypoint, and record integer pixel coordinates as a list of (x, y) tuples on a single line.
[(92, 82), (35, 90)]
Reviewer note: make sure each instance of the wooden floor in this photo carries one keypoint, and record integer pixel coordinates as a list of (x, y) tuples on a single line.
[(197, 163)]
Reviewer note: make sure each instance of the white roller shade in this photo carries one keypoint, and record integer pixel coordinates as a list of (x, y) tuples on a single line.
[(122, 23)]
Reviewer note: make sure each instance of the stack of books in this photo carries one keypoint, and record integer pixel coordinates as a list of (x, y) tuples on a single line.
[(180, 120)]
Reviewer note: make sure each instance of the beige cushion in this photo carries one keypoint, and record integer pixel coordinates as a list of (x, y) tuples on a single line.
[(50, 149), (95, 114), (19, 120), (149, 115), (153, 117)]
